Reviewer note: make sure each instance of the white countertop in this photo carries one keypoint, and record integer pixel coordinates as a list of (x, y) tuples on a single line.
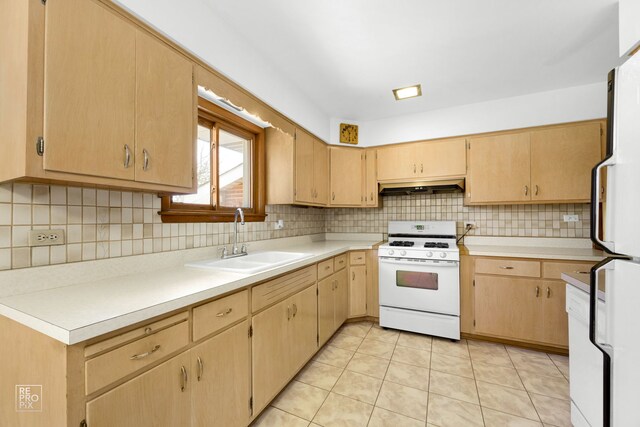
[(533, 247), (100, 298)]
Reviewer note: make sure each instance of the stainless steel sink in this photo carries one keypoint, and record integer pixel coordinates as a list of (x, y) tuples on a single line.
[(252, 263)]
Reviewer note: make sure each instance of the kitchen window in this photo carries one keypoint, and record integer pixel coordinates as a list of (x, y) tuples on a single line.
[(230, 170)]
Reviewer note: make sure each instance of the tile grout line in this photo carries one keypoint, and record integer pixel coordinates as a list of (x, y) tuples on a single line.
[(525, 387)]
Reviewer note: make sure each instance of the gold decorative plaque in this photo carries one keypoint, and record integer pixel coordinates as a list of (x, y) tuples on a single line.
[(348, 133)]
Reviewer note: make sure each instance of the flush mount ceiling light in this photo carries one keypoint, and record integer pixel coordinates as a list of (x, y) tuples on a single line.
[(407, 92)]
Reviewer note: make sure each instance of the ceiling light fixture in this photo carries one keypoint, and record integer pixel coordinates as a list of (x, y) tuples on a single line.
[(407, 92)]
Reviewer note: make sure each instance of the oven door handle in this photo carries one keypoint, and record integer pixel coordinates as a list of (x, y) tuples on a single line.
[(417, 263)]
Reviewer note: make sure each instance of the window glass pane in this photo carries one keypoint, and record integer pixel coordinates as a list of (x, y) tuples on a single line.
[(203, 165), (416, 279), (234, 170)]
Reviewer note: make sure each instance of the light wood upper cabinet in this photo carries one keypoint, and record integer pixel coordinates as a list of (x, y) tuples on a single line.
[(160, 397), (370, 179), (321, 172), (346, 176), (422, 160), (90, 77), (499, 168), (304, 167), (220, 377), (165, 109), (561, 162)]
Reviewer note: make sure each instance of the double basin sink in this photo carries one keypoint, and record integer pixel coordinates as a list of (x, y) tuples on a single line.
[(252, 263)]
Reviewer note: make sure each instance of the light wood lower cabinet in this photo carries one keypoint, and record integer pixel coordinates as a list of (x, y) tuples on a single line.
[(284, 337), (332, 304), (556, 321), (508, 307), (160, 397), (357, 291), (220, 379)]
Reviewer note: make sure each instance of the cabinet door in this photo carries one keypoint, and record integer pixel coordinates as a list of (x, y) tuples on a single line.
[(89, 99), (164, 114), (321, 172), (220, 371), (441, 158), (346, 176), (326, 308), (561, 162), (270, 353), (370, 178), (499, 168), (154, 399), (341, 298), (396, 162), (304, 190), (556, 321), (509, 307), (358, 291), (303, 340)]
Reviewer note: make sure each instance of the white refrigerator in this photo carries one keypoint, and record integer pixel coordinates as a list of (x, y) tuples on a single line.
[(614, 320)]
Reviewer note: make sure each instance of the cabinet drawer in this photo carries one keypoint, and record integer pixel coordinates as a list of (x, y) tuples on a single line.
[(553, 270), (109, 367), (140, 332), (325, 269), (508, 267), (278, 289), (340, 262), (357, 258), (215, 315)]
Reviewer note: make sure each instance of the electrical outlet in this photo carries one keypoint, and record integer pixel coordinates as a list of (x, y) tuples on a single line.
[(571, 218), (279, 225), (471, 224), (46, 237)]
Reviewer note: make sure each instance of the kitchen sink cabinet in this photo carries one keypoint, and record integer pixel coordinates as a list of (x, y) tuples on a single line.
[(284, 337), (160, 397), (422, 160), (108, 102), (347, 174), (525, 302), (220, 379), (543, 165)]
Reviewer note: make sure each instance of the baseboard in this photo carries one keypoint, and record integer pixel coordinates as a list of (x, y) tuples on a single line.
[(532, 346)]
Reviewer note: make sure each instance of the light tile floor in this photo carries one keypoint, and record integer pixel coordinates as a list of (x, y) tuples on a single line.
[(368, 376)]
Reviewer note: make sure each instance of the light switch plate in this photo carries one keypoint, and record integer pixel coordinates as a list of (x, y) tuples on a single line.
[(46, 237), (571, 218)]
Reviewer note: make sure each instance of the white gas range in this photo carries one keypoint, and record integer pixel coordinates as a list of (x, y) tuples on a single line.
[(419, 278)]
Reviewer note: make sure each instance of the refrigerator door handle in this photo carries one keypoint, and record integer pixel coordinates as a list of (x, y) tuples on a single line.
[(595, 204)]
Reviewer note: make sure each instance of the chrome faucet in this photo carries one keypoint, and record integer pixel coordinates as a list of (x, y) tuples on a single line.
[(234, 251)]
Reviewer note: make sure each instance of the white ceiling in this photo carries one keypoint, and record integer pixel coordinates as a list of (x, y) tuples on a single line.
[(347, 55)]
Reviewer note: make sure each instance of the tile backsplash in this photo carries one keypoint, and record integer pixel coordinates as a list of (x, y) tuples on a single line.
[(499, 220), (101, 223)]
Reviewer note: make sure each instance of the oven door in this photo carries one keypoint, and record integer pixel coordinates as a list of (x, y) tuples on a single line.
[(424, 285)]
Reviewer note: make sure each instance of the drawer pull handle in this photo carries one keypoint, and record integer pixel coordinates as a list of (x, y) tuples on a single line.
[(224, 313), (200, 368), (327, 267), (582, 272), (537, 291), (147, 331), (506, 268), (148, 353), (548, 292), (183, 378)]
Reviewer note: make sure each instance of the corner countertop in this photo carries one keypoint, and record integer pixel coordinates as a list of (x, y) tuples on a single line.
[(532, 247), (100, 298), (583, 283)]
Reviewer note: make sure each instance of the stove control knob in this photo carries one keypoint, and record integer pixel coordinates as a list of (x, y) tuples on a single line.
[(390, 252), (403, 253), (429, 254), (443, 255)]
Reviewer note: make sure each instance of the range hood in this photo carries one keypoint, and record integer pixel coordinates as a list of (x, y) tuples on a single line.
[(425, 186)]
